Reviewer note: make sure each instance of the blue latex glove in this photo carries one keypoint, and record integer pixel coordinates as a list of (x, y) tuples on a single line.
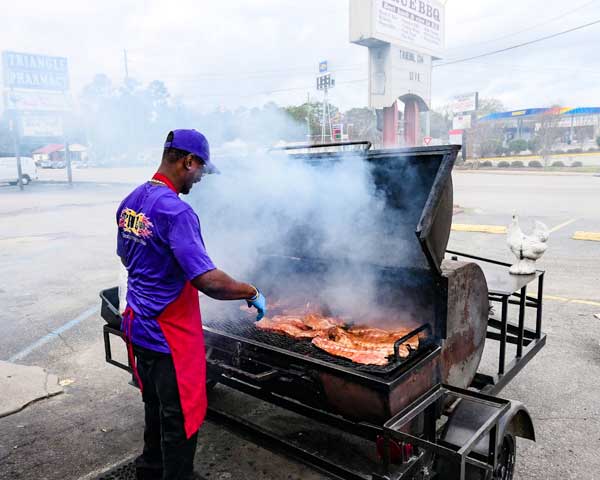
[(260, 303)]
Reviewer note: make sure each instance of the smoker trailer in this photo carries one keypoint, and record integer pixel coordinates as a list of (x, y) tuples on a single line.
[(429, 415)]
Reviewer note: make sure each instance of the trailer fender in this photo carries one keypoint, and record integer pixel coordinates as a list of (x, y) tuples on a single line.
[(468, 417), (518, 422)]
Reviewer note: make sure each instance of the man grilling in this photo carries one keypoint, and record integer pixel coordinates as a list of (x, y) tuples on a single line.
[(160, 243)]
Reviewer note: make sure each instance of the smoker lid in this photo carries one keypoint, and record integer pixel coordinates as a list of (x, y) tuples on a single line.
[(417, 184)]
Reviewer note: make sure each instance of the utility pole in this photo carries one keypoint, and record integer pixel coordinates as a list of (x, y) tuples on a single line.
[(66, 142), (126, 65), (325, 112), (14, 126)]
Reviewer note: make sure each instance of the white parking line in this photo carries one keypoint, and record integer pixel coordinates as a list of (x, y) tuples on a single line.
[(562, 225), (55, 333)]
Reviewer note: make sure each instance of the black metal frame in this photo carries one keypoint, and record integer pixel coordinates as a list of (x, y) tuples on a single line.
[(107, 331), (427, 406), (528, 341)]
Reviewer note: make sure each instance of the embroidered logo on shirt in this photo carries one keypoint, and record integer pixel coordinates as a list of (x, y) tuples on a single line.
[(136, 223)]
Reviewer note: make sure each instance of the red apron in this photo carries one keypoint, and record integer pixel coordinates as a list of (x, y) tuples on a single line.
[(181, 324)]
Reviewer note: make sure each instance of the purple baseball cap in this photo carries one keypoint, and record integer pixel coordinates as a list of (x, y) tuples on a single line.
[(194, 142)]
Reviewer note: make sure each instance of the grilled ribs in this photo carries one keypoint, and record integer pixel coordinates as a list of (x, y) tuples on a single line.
[(360, 344)]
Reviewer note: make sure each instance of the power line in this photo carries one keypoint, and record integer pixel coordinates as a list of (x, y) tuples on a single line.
[(534, 68), (269, 92), (299, 69), (532, 27), (513, 47), (249, 76)]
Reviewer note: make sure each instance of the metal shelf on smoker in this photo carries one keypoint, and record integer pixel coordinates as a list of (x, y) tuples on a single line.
[(502, 282)]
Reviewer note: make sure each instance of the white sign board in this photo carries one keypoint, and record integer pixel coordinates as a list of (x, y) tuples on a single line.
[(465, 103), (36, 100), (461, 122), (411, 24), (41, 125), (455, 137)]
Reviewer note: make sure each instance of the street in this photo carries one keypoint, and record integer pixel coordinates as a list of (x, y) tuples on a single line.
[(58, 252)]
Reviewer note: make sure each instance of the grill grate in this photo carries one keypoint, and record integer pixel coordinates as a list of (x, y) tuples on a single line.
[(244, 327)]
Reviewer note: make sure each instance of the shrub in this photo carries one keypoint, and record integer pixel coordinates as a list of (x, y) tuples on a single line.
[(558, 163), (503, 164), (535, 164), (533, 145), (468, 164), (577, 164), (518, 145), (576, 150), (517, 164), (486, 164), (598, 141)]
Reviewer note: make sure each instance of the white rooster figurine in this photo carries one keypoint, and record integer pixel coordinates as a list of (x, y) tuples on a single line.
[(527, 248)]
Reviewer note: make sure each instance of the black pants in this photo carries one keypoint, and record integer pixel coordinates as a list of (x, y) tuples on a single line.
[(168, 454)]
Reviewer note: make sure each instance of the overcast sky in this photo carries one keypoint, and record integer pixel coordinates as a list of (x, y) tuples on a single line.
[(214, 53)]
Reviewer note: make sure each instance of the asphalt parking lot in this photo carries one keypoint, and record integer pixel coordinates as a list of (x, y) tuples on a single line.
[(58, 252)]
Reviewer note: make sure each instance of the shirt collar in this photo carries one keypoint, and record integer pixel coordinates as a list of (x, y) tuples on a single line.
[(164, 179)]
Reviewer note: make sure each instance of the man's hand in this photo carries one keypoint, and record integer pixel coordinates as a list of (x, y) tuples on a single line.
[(220, 286), (260, 303)]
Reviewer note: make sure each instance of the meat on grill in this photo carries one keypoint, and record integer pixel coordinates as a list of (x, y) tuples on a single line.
[(365, 345), (368, 357), (291, 326)]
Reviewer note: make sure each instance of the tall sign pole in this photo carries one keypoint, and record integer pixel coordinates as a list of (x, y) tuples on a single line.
[(403, 38), (325, 81), (66, 142)]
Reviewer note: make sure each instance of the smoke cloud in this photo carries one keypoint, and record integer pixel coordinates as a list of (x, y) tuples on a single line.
[(284, 206)]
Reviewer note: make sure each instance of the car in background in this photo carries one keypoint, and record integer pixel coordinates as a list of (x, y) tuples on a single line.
[(8, 170)]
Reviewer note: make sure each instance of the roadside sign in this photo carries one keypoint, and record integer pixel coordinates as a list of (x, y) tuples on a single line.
[(37, 72), (41, 125), (336, 131), (323, 66), (461, 122), (35, 89), (427, 140), (35, 95), (35, 100), (455, 137)]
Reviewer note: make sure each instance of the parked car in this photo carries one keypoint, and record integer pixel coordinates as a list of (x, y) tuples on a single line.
[(46, 163), (8, 170)]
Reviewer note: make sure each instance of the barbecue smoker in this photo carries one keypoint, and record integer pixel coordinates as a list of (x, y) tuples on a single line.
[(428, 415)]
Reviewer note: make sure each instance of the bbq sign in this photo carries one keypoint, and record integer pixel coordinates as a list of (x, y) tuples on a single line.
[(38, 72), (412, 23)]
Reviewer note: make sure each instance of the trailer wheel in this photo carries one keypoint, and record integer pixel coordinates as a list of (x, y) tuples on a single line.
[(507, 457), (505, 469)]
